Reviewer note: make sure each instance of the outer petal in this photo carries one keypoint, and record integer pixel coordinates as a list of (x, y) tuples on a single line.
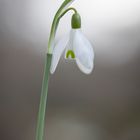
[(57, 52), (84, 52)]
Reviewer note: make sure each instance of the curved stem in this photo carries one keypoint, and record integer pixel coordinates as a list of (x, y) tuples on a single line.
[(67, 10), (55, 23), (71, 8)]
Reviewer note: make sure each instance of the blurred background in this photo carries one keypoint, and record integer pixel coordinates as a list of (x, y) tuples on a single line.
[(102, 106)]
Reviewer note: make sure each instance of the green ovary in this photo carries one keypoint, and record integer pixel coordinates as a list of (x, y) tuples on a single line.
[(70, 54)]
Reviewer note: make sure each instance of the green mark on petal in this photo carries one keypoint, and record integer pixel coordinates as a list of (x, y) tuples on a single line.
[(70, 54)]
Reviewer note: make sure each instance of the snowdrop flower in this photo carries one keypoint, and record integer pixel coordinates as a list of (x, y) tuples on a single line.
[(76, 47)]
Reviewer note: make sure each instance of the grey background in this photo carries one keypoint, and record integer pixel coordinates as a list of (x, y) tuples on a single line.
[(102, 106)]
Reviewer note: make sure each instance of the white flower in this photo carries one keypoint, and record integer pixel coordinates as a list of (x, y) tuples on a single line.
[(76, 47)]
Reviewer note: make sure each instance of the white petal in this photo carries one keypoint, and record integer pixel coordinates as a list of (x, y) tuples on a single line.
[(57, 52), (70, 43), (84, 52)]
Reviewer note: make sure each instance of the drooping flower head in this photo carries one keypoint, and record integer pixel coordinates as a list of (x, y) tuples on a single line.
[(76, 47)]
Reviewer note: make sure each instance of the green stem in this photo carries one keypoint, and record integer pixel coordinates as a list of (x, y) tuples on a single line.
[(43, 99), (71, 8)]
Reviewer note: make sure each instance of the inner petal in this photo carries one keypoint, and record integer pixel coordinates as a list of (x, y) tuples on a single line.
[(70, 54)]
